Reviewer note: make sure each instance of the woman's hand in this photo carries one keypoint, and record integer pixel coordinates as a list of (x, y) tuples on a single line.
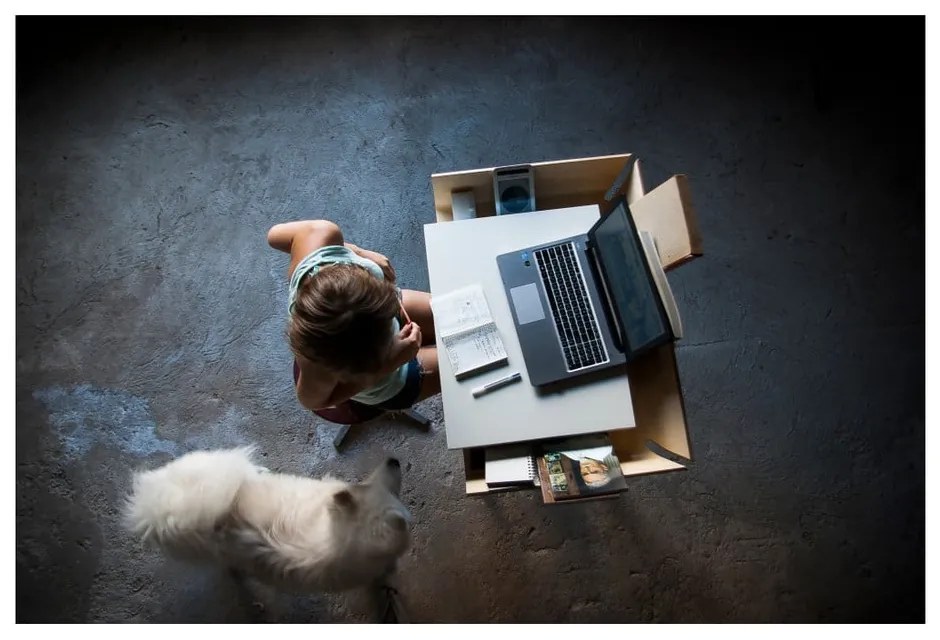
[(405, 346), (387, 269)]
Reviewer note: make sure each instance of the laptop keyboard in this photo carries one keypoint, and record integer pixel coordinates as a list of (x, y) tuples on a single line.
[(575, 322)]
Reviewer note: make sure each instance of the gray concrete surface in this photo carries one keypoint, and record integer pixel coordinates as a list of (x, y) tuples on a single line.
[(152, 156)]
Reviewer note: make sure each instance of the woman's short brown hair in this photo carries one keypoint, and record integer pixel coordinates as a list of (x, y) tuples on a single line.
[(342, 319)]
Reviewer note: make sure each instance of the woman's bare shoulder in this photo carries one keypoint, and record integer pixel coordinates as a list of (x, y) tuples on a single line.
[(314, 384), (315, 370)]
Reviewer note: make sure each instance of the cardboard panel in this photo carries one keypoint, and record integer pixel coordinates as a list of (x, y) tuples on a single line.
[(475, 471), (480, 181), (648, 462), (667, 213), (558, 184), (635, 188), (571, 183), (657, 404)]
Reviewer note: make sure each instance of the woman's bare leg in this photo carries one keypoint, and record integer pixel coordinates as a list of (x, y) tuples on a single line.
[(418, 307), (431, 378)]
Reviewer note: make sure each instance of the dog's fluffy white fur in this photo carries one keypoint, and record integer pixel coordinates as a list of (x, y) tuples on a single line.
[(289, 531)]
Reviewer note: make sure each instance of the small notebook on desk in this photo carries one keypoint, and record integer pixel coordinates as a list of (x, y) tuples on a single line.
[(510, 465), (466, 330)]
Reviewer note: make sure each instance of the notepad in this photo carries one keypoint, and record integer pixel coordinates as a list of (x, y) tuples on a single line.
[(466, 330), (509, 465)]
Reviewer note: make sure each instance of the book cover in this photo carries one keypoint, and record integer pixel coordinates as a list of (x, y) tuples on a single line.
[(580, 474), (544, 482)]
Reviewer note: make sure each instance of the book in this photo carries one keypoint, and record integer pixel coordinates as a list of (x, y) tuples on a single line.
[(544, 482), (510, 465), (466, 330), (662, 283), (572, 470)]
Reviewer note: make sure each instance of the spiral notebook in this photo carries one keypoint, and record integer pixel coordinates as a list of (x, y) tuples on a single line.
[(467, 331), (510, 465)]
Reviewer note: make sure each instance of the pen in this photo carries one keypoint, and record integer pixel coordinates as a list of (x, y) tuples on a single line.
[(496, 384)]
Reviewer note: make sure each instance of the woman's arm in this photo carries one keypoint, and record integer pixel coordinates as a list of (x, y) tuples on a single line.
[(375, 257), (314, 386), (343, 392), (340, 393), (317, 389), (303, 237)]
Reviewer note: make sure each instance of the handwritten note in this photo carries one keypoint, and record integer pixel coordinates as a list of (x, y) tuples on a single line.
[(466, 329)]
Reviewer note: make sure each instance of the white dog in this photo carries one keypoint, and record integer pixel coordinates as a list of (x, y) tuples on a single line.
[(292, 532)]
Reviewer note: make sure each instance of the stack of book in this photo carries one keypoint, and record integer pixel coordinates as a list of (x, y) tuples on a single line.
[(565, 470)]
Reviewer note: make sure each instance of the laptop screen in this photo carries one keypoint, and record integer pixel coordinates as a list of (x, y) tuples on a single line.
[(628, 279)]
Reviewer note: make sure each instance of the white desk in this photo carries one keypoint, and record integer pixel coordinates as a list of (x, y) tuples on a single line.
[(464, 252)]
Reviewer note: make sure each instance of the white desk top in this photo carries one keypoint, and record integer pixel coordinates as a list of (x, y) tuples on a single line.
[(462, 253)]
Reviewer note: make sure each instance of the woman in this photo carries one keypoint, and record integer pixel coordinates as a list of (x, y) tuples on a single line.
[(354, 334)]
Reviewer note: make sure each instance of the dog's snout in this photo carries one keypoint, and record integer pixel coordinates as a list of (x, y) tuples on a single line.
[(393, 463)]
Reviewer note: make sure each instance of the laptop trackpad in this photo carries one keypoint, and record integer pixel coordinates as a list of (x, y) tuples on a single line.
[(528, 303)]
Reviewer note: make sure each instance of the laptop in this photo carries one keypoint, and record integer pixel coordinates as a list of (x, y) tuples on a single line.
[(586, 303)]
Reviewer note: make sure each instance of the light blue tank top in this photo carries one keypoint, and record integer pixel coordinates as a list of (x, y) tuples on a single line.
[(336, 254)]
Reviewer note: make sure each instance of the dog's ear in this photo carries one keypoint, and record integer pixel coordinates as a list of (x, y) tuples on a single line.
[(387, 474), (397, 521), (344, 500)]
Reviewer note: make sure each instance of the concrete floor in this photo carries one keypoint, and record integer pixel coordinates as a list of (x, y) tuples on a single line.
[(152, 157)]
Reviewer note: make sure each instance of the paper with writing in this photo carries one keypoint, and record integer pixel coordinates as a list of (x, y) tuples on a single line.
[(467, 331)]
